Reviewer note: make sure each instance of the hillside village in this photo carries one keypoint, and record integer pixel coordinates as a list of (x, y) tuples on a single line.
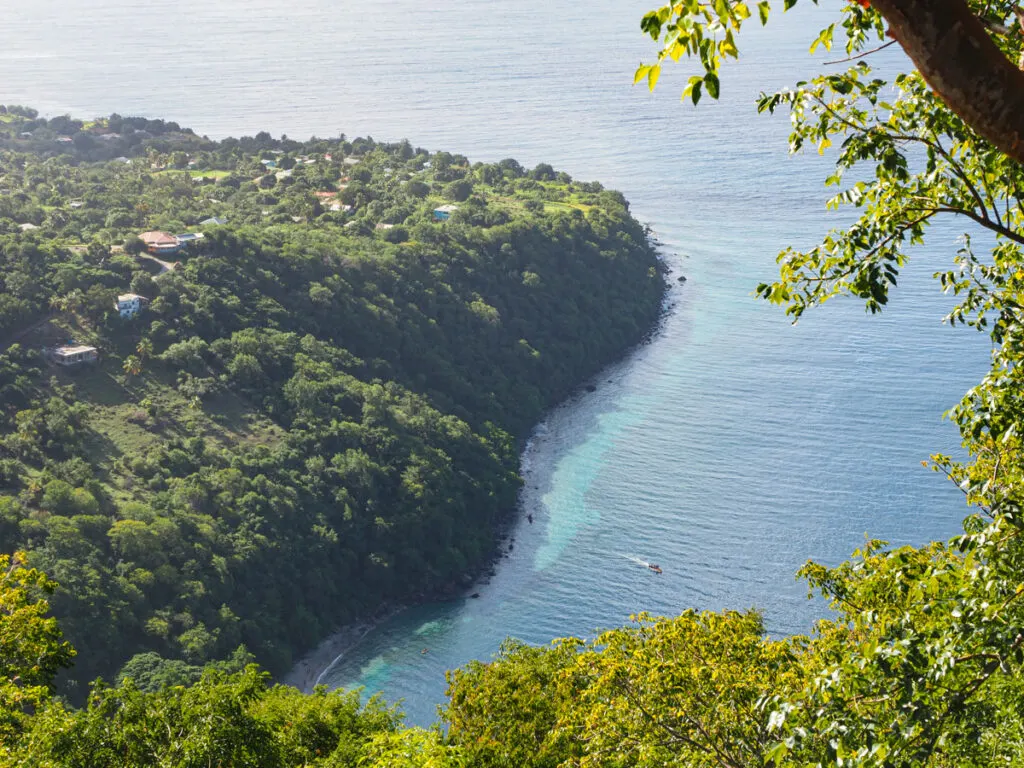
[(252, 180), (171, 187)]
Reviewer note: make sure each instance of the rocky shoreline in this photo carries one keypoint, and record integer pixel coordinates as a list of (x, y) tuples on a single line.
[(306, 673)]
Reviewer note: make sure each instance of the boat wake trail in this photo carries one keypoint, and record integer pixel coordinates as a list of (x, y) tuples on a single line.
[(637, 560)]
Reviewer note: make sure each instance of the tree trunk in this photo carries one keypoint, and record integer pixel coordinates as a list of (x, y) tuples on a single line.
[(951, 49)]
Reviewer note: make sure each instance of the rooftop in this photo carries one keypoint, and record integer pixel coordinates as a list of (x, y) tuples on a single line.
[(73, 350), (158, 238)]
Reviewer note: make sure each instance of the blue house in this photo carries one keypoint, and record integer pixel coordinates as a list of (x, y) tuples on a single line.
[(444, 212)]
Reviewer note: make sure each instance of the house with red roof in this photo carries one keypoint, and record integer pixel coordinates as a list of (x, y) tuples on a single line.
[(160, 243)]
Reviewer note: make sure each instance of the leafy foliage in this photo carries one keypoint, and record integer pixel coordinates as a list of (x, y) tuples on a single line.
[(224, 718), (31, 648)]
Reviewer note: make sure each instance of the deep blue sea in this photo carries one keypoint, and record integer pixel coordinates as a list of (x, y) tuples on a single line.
[(732, 447)]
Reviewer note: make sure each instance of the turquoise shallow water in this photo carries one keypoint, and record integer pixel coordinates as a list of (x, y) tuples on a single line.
[(732, 447)]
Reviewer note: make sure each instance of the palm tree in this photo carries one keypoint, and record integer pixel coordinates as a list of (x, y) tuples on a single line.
[(132, 365)]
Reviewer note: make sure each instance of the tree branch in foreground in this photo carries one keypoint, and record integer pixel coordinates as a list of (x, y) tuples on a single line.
[(950, 47)]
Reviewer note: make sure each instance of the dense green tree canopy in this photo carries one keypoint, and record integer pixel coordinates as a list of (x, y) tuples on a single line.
[(228, 719), (317, 409)]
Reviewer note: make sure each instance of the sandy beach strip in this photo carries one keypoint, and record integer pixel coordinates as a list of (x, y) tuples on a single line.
[(305, 674)]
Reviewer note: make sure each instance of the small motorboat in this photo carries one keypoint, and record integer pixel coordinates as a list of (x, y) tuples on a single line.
[(654, 567)]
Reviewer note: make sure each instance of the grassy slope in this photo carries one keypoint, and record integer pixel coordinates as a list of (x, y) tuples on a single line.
[(132, 415)]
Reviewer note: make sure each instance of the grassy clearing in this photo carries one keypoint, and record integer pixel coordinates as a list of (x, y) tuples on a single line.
[(130, 417), (209, 174), (550, 207)]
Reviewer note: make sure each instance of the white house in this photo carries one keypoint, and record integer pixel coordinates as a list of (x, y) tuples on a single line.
[(129, 304), (73, 354)]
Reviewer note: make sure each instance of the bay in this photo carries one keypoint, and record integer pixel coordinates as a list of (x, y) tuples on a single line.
[(732, 447)]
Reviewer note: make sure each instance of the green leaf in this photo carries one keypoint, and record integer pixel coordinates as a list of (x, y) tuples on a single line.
[(641, 73), (762, 11), (776, 754), (651, 24), (728, 46), (824, 38), (652, 76), (692, 83), (711, 81), (840, 84)]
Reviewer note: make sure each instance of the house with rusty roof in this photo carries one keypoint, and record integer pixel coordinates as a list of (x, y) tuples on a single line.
[(160, 243)]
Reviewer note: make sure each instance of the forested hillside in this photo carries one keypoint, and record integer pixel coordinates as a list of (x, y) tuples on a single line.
[(317, 406)]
